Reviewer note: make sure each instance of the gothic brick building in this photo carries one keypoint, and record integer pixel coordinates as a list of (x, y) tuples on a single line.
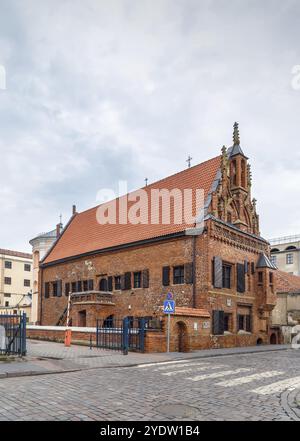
[(221, 276)]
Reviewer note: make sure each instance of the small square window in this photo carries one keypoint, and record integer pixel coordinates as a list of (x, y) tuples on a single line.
[(137, 278), (8, 264), (6, 304), (27, 267), (289, 259), (7, 280), (26, 282), (178, 275)]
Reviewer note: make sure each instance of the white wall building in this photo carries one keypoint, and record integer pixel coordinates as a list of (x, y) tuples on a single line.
[(40, 246), (285, 254), (16, 269)]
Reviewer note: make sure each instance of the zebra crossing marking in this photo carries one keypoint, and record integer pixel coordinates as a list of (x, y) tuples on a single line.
[(249, 378), (146, 365), (164, 368), (219, 374), (278, 386), (201, 368)]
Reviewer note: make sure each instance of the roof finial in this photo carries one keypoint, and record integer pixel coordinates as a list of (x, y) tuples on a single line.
[(189, 160), (236, 134)]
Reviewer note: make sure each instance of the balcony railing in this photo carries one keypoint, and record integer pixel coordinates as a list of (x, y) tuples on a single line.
[(99, 297)]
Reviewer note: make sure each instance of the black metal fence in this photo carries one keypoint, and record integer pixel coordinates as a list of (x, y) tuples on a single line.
[(127, 334), (13, 334)]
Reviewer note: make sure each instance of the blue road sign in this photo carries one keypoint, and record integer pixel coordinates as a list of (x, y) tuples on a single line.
[(169, 296), (169, 306)]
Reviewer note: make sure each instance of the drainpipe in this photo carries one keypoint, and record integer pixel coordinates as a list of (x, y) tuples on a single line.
[(194, 271), (41, 272)]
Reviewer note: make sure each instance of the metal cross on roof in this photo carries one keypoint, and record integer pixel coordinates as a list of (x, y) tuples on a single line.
[(146, 181), (189, 159)]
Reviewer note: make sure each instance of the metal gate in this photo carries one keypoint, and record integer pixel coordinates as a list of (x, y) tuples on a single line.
[(121, 334), (13, 334)]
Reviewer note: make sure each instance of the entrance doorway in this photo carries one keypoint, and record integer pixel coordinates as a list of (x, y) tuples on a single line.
[(82, 319), (182, 336), (273, 339)]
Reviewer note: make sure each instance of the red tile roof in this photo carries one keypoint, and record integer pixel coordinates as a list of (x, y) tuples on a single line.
[(84, 234), (15, 254), (287, 283)]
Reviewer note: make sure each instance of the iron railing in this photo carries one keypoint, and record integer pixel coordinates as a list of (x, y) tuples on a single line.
[(13, 334), (126, 334)]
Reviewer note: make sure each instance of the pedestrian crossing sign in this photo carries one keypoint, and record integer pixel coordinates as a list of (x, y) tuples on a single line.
[(169, 306)]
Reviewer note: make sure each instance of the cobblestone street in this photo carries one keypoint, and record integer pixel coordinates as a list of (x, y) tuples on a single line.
[(259, 386)]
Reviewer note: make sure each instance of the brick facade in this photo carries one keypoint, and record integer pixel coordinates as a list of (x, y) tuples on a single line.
[(221, 273)]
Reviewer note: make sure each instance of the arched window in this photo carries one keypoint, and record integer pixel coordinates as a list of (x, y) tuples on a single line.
[(290, 248), (103, 285), (109, 322), (233, 173), (274, 250), (243, 173)]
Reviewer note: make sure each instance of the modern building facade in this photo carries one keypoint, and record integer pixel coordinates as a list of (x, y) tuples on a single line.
[(15, 282), (41, 244), (285, 254), (220, 275)]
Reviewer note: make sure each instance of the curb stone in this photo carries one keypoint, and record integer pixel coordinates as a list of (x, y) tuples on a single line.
[(291, 404)]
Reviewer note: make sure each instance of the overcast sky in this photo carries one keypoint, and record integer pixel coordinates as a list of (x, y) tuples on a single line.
[(103, 90)]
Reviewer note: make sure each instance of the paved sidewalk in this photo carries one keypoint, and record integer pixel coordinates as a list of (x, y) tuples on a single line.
[(49, 357)]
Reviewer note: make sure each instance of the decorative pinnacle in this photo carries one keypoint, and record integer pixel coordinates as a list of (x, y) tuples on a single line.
[(236, 134)]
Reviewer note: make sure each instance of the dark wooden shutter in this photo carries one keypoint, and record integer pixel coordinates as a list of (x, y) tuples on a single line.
[(188, 273), (248, 323), (218, 322), (145, 278), (47, 290), (91, 285), (127, 280), (252, 268), (59, 288), (67, 289), (123, 281), (240, 277), (110, 283), (79, 286), (166, 276), (218, 272)]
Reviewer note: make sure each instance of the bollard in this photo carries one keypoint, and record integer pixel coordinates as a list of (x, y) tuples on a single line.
[(91, 344), (68, 337)]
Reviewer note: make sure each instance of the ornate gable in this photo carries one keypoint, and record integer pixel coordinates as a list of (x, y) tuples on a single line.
[(231, 202)]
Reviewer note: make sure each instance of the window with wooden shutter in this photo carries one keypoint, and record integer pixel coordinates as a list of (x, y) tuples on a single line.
[(110, 283), (91, 285), (188, 273), (47, 290), (246, 265), (218, 272), (79, 286), (59, 288), (145, 278), (127, 280), (67, 289), (248, 323), (166, 276), (252, 267), (218, 322), (240, 277), (123, 282)]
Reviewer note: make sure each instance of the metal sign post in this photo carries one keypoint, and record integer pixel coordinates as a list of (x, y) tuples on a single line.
[(169, 308)]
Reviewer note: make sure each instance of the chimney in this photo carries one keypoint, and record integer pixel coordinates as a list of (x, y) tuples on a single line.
[(58, 230), (74, 210)]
